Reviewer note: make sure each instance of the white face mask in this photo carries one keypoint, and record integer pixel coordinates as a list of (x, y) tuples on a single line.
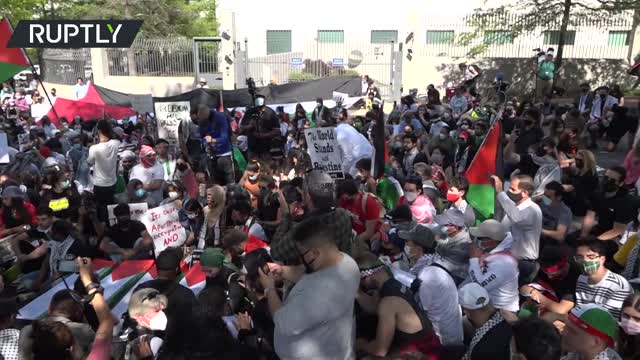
[(173, 195), (319, 105), (546, 200), (253, 177), (159, 322), (411, 196), (407, 250), (259, 101), (442, 136)]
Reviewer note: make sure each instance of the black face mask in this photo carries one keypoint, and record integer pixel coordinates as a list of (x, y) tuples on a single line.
[(514, 197), (579, 164), (603, 96), (385, 251), (541, 152), (181, 167)]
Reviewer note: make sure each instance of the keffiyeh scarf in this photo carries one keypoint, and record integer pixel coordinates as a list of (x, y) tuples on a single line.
[(480, 333)]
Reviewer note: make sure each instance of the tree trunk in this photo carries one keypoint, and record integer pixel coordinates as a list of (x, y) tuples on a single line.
[(632, 35), (566, 13)]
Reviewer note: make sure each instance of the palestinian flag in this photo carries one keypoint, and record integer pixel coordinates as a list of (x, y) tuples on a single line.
[(12, 61), (488, 160)]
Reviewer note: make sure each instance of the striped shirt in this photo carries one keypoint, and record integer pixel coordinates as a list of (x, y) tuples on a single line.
[(610, 292)]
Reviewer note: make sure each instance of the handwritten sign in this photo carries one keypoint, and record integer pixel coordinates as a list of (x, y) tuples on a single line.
[(164, 227), (137, 211), (168, 118), (322, 145)]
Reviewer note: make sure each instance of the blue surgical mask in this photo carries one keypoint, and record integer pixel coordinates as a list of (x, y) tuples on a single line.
[(77, 146), (141, 193), (259, 101)]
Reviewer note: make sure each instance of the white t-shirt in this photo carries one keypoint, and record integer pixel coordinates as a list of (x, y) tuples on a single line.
[(499, 276), (104, 158), (438, 296), (316, 319), (146, 175)]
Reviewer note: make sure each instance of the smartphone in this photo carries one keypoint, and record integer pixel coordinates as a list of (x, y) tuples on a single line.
[(67, 266), (262, 263)]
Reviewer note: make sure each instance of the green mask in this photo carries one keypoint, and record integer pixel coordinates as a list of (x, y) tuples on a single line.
[(589, 266)]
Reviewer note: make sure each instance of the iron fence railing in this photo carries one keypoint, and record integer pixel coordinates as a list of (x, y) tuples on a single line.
[(153, 57), (65, 66)]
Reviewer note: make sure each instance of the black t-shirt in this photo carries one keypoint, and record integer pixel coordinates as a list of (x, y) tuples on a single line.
[(26, 247), (267, 121), (65, 205), (621, 208), (578, 199), (268, 206), (125, 236), (565, 289), (527, 139)]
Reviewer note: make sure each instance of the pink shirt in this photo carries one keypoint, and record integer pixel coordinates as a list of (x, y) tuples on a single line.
[(100, 350), (422, 209), (632, 165)]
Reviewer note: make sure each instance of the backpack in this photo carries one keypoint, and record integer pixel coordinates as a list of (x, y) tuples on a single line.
[(383, 209)]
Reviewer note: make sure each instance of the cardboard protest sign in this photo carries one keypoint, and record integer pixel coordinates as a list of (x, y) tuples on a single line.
[(168, 118), (322, 145), (137, 211), (164, 227)]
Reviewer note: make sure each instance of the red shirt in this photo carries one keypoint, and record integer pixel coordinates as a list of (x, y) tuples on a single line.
[(31, 210), (359, 218)]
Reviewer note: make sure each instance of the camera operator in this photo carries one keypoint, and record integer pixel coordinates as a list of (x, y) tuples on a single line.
[(260, 124), (214, 136)]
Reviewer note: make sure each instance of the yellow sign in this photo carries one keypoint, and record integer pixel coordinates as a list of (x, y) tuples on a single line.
[(59, 204)]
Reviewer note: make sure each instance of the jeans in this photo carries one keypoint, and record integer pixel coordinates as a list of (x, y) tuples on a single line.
[(104, 196), (528, 270), (220, 169)]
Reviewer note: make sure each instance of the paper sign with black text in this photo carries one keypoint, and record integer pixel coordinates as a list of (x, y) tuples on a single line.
[(164, 227), (168, 118), (322, 145)]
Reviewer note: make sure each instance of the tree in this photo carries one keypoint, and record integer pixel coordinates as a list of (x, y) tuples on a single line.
[(558, 15)]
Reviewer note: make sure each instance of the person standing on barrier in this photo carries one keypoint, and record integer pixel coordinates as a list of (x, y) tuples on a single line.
[(214, 136)]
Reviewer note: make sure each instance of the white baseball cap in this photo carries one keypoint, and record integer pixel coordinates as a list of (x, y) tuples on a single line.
[(472, 296)]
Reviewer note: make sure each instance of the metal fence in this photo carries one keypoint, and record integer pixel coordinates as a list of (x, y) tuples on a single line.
[(153, 57), (65, 66), (322, 59), (587, 38)]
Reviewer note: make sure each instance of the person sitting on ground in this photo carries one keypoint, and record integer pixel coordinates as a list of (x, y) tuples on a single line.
[(392, 251), (63, 250), (493, 267), (453, 244), (591, 333), (365, 212), (127, 238), (402, 325), (9, 347), (146, 307), (367, 182), (536, 339), (421, 207), (458, 188), (597, 284), (492, 335), (630, 326), (556, 215)]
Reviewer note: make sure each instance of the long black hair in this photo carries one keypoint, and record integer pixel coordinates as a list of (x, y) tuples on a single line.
[(22, 215)]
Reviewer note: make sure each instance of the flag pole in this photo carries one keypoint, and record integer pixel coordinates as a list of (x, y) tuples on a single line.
[(35, 75)]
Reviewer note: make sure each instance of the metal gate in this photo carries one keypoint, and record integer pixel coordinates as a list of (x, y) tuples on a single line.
[(206, 61), (64, 66), (318, 59)]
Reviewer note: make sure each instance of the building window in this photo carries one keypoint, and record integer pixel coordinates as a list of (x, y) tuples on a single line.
[(552, 37), (278, 41), (498, 37), (440, 36), (618, 38), (384, 36), (331, 36)]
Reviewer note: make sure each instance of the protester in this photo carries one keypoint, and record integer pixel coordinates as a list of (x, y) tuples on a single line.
[(103, 156), (536, 339), (127, 238), (556, 215), (453, 243), (630, 326), (591, 333)]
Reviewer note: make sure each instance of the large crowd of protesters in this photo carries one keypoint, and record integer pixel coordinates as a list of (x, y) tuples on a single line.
[(392, 263)]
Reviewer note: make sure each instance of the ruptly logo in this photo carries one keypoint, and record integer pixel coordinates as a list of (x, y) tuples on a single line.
[(70, 34)]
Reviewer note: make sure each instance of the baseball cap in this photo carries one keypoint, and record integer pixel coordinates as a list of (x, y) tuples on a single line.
[(472, 296), (491, 229), (420, 235), (400, 213), (596, 321), (12, 192), (318, 182), (451, 216), (212, 257), (168, 259)]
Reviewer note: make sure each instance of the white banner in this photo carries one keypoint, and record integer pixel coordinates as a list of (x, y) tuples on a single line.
[(164, 227), (40, 110), (137, 211), (168, 117), (4, 149), (322, 146)]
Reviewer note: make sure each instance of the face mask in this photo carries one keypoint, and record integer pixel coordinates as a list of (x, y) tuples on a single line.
[(452, 197), (159, 322), (141, 193), (181, 167), (580, 164), (253, 177), (546, 200), (307, 265), (407, 249), (629, 326), (514, 197), (442, 136), (603, 96), (148, 162), (318, 105), (65, 184), (540, 152), (77, 146), (192, 216), (589, 267), (259, 101), (436, 159), (411, 196), (464, 127), (173, 195)]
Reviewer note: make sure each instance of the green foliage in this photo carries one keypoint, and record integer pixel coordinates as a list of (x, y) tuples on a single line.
[(301, 76)]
